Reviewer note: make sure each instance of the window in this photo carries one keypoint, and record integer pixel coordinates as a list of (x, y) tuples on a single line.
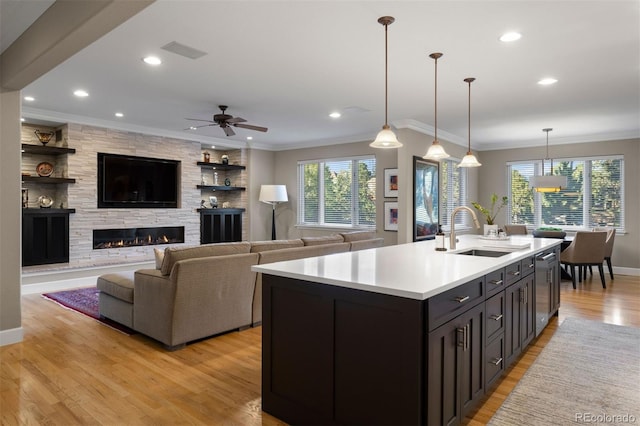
[(453, 190), (593, 197), (337, 192)]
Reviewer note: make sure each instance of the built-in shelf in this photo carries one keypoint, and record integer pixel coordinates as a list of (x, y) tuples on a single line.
[(221, 210), (221, 188), (46, 150), (220, 166), (47, 180), (33, 211)]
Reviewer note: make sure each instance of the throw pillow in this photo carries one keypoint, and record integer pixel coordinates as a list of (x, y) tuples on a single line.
[(159, 254)]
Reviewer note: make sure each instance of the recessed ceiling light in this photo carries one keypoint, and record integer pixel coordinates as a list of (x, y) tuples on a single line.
[(512, 36), (335, 115), (193, 128), (81, 93), (29, 98), (249, 138), (119, 114), (152, 60), (547, 81), (213, 147)]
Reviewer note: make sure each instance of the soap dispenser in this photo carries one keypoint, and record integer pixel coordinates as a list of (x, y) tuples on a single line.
[(440, 240)]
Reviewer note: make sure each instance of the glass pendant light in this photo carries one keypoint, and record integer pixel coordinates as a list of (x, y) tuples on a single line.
[(548, 183), (386, 138), (436, 151), (469, 160)]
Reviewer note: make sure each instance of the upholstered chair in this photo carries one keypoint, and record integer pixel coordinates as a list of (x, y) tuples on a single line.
[(608, 248), (515, 229), (587, 249)]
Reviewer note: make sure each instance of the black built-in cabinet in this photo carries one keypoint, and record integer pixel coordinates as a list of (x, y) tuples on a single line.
[(45, 236)]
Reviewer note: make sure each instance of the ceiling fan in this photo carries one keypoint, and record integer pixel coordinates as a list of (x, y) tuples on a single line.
[(226, 121)]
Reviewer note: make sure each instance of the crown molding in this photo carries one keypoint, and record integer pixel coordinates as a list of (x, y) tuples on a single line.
[(427, 129)]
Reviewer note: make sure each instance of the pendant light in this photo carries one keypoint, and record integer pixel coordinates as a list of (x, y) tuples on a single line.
[(386, 138), (548, 183), (469, 160), (436, 151)]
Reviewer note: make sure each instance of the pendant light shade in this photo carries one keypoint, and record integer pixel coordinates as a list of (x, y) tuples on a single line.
[(469, 160), (548, 183), (386, 138), (436, 151)]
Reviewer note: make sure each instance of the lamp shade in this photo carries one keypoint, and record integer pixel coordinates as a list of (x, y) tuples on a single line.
[(436, 152), (469, 160), (386, 139), (273, 194), (548, 183)]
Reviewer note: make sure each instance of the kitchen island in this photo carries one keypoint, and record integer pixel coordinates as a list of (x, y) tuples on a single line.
[(401, 334)]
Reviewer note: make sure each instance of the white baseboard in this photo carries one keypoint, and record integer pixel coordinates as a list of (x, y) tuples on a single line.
[(43, 282), (634, 272), (11, 336)]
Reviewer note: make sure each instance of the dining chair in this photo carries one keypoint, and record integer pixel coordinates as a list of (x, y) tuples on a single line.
[(587, 249), (608, 247), (515, 229)]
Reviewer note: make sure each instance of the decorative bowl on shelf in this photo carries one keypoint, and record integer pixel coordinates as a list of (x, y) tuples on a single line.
[(45, 202), (44, 137), (44, 169)]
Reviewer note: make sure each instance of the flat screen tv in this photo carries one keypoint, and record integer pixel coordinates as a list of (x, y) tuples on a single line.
[(126, 181)]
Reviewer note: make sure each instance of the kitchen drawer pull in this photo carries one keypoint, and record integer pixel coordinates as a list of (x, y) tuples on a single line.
[(497, 361), (531, 265), (496, 317), (516, 273), (548, 256), (461, 299), (495, 282)]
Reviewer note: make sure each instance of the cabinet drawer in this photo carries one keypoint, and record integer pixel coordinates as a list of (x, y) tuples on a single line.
[(494, 356), (513, 273), (451, 303), (528, 265), (495, 281), (495, 316)]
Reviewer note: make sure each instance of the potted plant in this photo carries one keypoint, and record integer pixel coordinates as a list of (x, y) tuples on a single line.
[(491, 213)]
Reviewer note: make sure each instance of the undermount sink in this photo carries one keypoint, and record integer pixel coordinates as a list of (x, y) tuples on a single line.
[(481, 252)]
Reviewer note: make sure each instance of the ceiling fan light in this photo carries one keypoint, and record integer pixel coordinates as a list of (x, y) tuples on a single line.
[(469, 160), (386, 139), (436, 152)]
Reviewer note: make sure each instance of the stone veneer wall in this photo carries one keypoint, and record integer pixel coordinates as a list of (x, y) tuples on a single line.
[(82, 195)]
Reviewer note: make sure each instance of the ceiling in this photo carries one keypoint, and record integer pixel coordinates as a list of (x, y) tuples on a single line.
[(286, 65)]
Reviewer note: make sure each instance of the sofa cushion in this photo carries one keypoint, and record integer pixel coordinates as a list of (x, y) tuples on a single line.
[(159, 255), (175, 254), (118, 285), (327, 239), (367, 244), (260, 246), (358, 235)]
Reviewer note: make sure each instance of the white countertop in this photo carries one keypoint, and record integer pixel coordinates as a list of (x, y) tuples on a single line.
[(413, 270)]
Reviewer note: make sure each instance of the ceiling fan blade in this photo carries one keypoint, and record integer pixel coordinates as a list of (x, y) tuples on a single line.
[(251, 127), (228, 131), (199, 119), (236, 120), (197, 127)]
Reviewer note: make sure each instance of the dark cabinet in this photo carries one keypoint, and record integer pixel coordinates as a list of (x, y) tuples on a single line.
[(45, 236), (520, 317), (220, 225), (455, 366)]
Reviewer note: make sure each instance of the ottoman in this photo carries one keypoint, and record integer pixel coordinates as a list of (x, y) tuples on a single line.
[(116, 297)]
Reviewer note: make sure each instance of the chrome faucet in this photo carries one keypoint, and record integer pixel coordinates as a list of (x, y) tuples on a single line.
[(452, 237)]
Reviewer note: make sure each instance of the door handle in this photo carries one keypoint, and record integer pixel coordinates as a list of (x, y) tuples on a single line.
[(496, 317), (461, 336), (466, 337), (496, 361)]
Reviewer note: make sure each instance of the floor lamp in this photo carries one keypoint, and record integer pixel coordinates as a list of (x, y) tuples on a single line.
[(273, 194)]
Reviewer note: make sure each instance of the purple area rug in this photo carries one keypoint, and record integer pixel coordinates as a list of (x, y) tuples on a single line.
[(85, 301)]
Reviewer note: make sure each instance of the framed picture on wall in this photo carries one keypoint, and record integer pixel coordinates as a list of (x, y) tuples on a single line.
[(426, 208), (390, 182), (390, 215)]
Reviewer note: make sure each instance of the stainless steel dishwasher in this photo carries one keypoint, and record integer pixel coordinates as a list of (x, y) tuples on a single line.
[(545, 262)]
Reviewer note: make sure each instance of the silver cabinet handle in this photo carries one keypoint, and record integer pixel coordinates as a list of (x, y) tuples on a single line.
[(515, 273), (462, 336), (548, 256), (496, 317), (531, 265), (461, 299), (495, 282), (466, 337), (496, 361)]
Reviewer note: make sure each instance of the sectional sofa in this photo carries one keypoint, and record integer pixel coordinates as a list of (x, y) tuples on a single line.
[(200, 291)]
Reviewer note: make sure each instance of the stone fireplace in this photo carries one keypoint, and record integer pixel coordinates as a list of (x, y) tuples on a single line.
[(133, 237)]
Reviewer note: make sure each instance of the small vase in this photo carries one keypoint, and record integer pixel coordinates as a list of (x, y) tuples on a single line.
[(488, 228)]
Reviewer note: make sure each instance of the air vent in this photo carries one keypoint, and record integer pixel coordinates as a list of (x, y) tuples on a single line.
[(182, 50)]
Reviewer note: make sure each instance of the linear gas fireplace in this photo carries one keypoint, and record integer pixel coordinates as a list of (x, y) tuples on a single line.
[(131, 237)]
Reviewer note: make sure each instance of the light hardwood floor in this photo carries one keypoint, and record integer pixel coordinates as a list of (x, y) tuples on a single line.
[(72, 370)]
